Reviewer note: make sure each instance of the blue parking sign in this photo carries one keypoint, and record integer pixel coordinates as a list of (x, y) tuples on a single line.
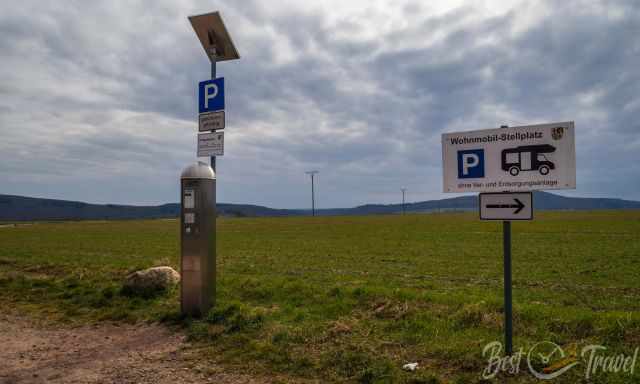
[(471, 164), (211, 95)]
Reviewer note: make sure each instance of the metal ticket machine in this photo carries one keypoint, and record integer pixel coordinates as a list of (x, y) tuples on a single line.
[(197, 239)]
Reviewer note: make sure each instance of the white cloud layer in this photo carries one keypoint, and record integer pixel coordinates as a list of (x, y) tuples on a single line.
[(98, 99)]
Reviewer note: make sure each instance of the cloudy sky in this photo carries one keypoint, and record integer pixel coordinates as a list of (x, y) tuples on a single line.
[(98, 99)]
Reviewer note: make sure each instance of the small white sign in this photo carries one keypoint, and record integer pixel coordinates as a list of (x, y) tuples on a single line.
[(506, 206), (211, 121), (524, 158), (189, 218), (211, 144), (189, 199)]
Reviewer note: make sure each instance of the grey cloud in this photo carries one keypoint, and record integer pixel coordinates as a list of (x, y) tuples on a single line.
[(368, 112)]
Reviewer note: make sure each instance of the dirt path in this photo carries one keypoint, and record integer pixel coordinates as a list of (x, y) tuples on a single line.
[(30, 353)]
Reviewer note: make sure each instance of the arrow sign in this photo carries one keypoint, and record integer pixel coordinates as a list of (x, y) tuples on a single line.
[(518, 205), (506, 206)]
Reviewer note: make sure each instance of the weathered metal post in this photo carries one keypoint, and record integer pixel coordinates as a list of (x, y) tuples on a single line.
[(508, 300), (213, 77)]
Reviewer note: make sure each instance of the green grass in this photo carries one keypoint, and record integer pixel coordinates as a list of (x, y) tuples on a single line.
[(352, 298)]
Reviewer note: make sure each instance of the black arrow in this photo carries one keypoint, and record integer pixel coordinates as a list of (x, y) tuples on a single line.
[(519, 206)]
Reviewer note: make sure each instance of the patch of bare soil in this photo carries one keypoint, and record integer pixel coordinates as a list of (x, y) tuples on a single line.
[(31, 353)]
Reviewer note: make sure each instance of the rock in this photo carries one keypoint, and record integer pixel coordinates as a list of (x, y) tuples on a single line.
[(151, 281), (410, 367)]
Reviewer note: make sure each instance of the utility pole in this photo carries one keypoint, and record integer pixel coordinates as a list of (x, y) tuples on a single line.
[(313, 197), (403, 191)]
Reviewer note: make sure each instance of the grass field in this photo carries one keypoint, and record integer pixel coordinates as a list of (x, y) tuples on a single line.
[(353, 298)]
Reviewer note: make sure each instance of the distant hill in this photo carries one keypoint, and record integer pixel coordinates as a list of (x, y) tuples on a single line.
[(541, 201), (20, 208)]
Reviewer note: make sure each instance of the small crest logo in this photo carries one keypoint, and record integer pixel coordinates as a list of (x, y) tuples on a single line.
[(557, 133)]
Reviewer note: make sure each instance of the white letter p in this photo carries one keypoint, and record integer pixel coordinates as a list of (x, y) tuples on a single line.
[(469, 160), (210, 92)]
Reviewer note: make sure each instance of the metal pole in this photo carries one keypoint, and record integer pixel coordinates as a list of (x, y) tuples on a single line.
[(403, 191), (508, 298), (508, 308), (213, 166), (213, 76)]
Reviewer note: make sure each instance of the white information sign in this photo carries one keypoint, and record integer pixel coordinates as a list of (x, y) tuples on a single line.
[(189, 199), (211, 121), (524, 158), (506, 206), (211, 144), (189, 218)]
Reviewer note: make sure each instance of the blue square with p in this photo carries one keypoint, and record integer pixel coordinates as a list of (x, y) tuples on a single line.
[(471, 164), (211, 95)]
